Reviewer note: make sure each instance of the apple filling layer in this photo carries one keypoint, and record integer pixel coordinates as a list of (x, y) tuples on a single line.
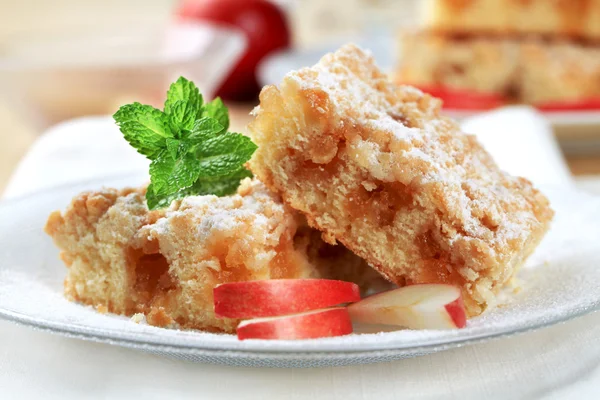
[(165, 264), (376, 167)]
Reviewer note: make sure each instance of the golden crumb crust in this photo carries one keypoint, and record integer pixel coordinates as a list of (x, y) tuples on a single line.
[(566, 18), (125, 259), (374, 166), (530, 70)]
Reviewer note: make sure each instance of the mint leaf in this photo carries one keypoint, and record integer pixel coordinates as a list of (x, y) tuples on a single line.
[(144, 127), (221, 186), (219, 154), (173, 147), (169, 175), (216, 110), (191, 151), (186, 91), (204, 129), (224, 154), (182, 116), (155, 201)]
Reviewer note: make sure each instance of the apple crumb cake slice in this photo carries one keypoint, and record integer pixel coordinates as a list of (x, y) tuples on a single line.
[(374, 166), (125, 259)]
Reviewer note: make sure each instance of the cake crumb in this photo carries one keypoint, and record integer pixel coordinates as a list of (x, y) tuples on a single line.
[(159, 317), (102, 309), (138, 318)]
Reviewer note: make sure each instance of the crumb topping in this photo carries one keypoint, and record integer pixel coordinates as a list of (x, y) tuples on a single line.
[(409, 142), (376, 167), (161, 266)]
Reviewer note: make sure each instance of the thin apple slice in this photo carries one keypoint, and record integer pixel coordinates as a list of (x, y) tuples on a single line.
[(426, 306), (268, 298), (308, 325)]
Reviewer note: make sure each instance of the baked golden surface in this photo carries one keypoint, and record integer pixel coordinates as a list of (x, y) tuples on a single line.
[(529, 70), (125, 259), (374, 166), (566, 18)]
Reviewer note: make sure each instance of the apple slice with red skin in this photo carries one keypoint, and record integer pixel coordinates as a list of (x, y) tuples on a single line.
[(424, 306), (591, 104), (308, 325), (273, 297), (266, 30)]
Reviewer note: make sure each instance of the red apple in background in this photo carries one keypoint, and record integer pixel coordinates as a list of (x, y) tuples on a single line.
[(266, 30), (309, 325), (272, 297), (426, 306)]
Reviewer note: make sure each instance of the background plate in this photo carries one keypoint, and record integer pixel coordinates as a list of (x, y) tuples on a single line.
[(561, 281)]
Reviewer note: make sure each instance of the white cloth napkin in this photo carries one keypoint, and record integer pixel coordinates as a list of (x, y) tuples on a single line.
[(555, 363), (522, 143)]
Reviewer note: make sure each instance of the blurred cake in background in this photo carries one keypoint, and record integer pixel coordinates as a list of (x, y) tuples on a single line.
[(565, 18), (484, 53)]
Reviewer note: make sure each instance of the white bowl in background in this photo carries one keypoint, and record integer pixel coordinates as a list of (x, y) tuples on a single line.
[(92, 72)]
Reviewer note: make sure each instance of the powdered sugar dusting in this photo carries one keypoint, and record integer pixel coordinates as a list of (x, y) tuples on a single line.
[(410, 142), (561, 281), (229, 216)]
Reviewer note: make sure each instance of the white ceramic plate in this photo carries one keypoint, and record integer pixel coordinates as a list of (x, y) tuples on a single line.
[(561, 282)]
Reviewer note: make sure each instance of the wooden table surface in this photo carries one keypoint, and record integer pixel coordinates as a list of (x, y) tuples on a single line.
[(16, 135)]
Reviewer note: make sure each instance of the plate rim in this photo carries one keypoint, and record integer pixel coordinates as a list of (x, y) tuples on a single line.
[(132, 342)]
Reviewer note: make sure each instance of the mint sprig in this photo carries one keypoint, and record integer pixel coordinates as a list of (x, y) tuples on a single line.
[(190, 148)]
